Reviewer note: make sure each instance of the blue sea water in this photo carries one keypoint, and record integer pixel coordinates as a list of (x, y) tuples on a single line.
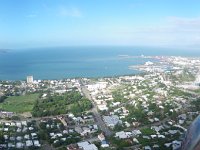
[(70, 62)]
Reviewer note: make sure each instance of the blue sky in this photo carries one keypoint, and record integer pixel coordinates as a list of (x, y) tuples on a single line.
[(46, 23)]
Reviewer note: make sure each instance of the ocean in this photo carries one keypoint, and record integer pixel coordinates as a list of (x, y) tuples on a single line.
[(71, 62)]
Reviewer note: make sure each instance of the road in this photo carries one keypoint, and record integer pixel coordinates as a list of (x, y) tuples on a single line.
[(95, 112)]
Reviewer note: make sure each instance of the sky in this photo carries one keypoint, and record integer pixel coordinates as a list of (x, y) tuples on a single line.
[(48, 23)]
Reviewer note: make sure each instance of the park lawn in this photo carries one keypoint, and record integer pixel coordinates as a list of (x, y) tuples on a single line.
[(19, 104)]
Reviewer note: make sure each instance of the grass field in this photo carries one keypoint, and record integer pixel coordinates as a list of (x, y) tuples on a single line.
[(19, 104)]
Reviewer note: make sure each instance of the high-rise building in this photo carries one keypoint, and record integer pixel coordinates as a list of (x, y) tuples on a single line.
[(192, 137), (29, 79)]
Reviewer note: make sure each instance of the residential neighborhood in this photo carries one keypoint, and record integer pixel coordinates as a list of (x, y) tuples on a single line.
[(152, 110)]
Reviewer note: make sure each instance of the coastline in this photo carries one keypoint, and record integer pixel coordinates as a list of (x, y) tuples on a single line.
[(77, 62)]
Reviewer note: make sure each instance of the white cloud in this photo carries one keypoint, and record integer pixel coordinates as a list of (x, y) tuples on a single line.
[(69, 12), (172, 32), (184, 21)]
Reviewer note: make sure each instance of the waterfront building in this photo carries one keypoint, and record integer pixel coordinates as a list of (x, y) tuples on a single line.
[(29, 79)]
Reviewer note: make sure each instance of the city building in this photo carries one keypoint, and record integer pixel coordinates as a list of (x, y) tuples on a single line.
[(29, 79)]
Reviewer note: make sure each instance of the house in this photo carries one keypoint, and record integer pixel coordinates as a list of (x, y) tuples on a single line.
[(5, 137), (33, 134), (102, 107), (26, 136), (56, 141), (127, 124), (87, 146), (19, 145), (30, 128), (95, 127), (173, 131), (63, 139), (155, 146), (11, 145), (24, 123), (153, 136), (146, 137), (24, 129), (73, 147), (29, 143), (101, 137), (2, 146), (86, 131), (181, 121), (19, 125), (168, 144), (112, 120), (18, 138), (12, 124), (5, 114), (147, 148), (65, 132), (5, 129), (104, 144), (136, 132), (123, 135), (176, 145), (157, 128), (135, 124), (135, 140), (161, 136), (78, 130), (59, 135), (7, 124), (36, 143)]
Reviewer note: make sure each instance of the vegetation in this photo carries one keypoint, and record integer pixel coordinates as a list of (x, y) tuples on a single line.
[(19, 104), (61, 104), (118, 96), (2, 98), (136, 113), (15, 118), (56, 127), (1, 137), (186, 75), (147, 131), (120, 143), (196, 104), (177, 92)]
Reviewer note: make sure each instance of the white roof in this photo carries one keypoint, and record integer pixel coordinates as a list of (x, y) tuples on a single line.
[(136, 132), (111, 120), (7, 124), (24, 123), (87, 146), (19, 145), (29, 143), (36, 143), (173, 131), (123, 135), (147, 148), (33, 134)]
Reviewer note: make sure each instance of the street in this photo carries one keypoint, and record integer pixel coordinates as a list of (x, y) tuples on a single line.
[(95, 112)]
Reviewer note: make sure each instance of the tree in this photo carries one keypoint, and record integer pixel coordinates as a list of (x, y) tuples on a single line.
[(15, 118), (2, 98), (2, 140)]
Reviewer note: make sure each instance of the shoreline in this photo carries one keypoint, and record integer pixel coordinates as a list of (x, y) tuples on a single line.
[(111, 76)]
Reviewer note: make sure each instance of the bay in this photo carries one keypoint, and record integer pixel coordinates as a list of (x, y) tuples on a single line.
[(70, 62)]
